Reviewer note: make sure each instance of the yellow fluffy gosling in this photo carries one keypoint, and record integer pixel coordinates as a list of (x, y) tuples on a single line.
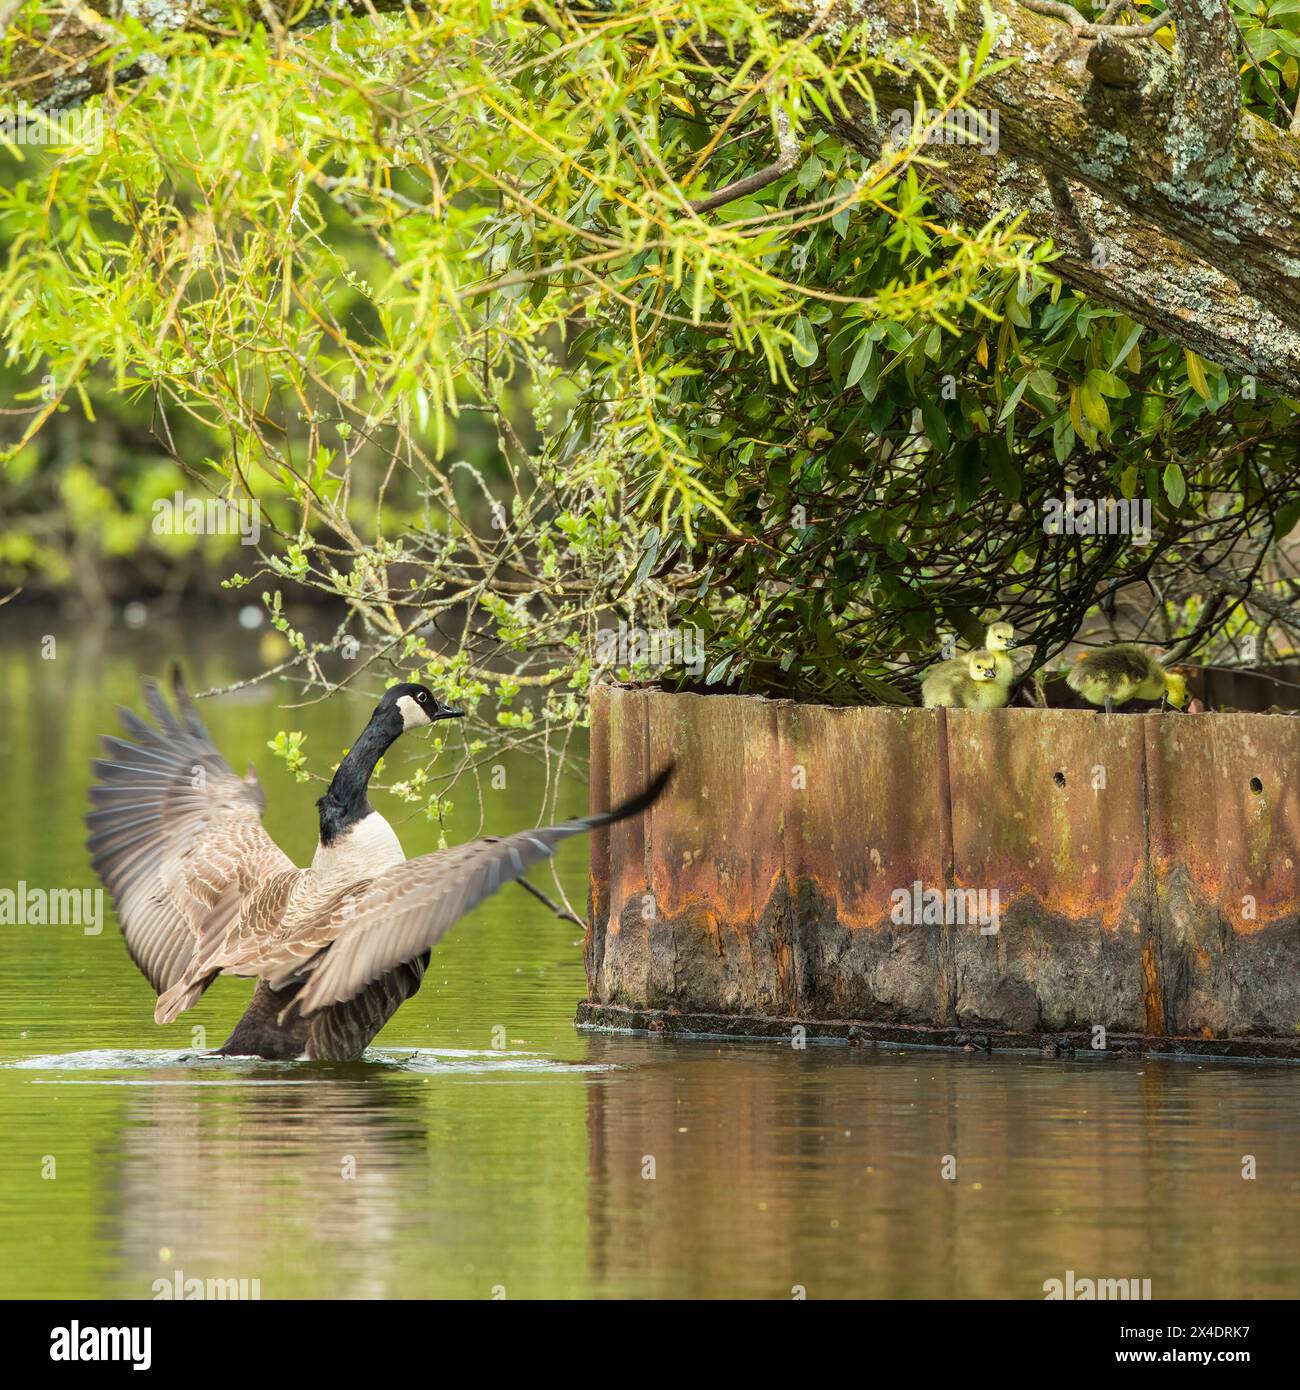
[(1115, 675), (999, 638), (972, 682)]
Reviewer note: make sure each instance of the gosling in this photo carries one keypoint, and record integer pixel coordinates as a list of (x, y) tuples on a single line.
[(999, 638), (973, 682), (1115, 675)]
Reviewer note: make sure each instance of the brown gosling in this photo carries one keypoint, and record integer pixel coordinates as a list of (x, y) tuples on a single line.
[(1115, 675)]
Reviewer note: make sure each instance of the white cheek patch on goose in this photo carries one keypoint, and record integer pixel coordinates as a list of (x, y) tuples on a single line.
[(412, 715)]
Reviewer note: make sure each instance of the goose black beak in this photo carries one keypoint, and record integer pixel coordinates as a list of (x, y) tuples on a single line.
[(449, 713)]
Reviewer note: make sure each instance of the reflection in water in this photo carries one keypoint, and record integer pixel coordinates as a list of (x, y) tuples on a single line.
[(324, 1179), (825, 1169), (449, 1166), (323, 1166), (689, 1169)]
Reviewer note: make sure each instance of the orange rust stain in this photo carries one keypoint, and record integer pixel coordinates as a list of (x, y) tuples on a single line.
[(1267, 915), (1205, 873), (873, 912), (677, 892), (1075, 898), (1275, 897), (1155, 1004), (784, 974)]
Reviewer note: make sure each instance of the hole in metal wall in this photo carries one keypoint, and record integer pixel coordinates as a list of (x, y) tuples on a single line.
[(1256, 785)]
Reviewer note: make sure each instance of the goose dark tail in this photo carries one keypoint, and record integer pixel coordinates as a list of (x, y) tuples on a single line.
[(642, 801)]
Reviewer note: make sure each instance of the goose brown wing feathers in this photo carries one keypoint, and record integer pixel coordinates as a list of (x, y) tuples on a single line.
[(175, 835), (407, 909)]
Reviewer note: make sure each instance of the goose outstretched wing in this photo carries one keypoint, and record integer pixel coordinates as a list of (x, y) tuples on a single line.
[(175, 835), (402, 912)]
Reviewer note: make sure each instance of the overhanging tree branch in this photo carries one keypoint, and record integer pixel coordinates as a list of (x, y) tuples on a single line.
[(1166, 200), (1093, 30), (1209, 93), (1182, 216), (787, 153)]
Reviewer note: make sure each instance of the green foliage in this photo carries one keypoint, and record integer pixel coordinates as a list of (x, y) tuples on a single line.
[(288, 747), (1270, 33), (434, 287)]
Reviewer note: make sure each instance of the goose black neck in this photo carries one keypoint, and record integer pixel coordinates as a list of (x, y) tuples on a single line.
[(346, 801)]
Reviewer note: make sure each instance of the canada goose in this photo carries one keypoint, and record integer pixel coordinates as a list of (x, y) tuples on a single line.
[(974, 682), (1115, 675), (202, 890)]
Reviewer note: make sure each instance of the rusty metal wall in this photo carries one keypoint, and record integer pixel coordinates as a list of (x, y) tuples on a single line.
[(1146, 867)]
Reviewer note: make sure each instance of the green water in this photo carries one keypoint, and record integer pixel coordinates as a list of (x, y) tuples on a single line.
[(446, 1166)]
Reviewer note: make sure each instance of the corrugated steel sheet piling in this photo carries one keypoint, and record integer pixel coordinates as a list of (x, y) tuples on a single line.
[(1145, 868)]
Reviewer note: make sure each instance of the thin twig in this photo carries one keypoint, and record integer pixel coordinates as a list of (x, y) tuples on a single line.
[(563, 913)]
